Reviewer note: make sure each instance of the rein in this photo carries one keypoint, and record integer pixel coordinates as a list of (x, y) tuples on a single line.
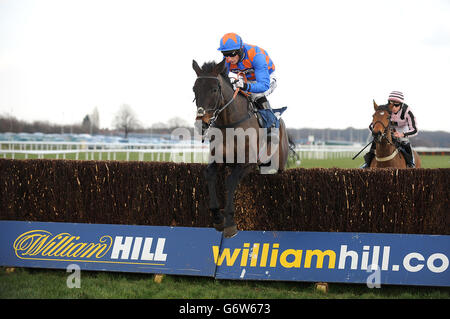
[(385, 128), (201, 111), (384, 136)]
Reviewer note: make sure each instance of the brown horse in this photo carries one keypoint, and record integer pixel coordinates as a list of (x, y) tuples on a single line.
[(386, 153), (236, 139)]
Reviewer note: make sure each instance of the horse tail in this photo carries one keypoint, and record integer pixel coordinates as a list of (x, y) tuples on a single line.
[(292, 149), (291, 143)]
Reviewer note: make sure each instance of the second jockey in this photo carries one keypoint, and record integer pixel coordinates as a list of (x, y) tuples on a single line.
[(255, 63), (404, 126)]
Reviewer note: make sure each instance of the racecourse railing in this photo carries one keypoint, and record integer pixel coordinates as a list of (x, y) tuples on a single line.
[(176, 152)]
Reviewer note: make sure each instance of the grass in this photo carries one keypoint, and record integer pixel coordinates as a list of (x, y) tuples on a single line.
[(428, 161), (29, 283)]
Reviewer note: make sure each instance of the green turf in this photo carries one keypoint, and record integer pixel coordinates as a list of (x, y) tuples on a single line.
[(40, 283), (428, 161)]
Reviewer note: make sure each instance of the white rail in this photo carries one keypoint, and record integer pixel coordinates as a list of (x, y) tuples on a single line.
[(156, 152), (173, 154)]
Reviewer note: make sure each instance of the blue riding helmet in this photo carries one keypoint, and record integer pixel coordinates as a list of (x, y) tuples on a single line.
[(230, 42)]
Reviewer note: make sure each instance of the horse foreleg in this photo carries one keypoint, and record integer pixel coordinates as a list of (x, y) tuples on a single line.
[(211, 179), (231, 183)]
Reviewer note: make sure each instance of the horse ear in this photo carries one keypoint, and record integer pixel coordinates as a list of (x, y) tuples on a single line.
[(220, 68), (196, 68), (375, 106)]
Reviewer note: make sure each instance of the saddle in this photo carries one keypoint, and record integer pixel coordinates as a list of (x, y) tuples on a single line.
[(267, 118), (271, 117)]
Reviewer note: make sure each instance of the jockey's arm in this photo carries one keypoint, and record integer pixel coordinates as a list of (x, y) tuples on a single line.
[(411, 124), (262, 76)]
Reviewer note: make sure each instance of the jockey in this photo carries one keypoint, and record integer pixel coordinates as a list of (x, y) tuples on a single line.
[(254, 62), (403, 123)]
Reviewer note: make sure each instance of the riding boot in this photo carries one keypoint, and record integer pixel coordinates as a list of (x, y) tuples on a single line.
[(272, 135), (369, 156), (409, 156), (262, 104)]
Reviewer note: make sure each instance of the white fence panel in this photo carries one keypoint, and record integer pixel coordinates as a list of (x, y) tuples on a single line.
[(181, 152)]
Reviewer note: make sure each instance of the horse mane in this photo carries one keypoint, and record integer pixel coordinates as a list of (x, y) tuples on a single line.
[(209, 67)]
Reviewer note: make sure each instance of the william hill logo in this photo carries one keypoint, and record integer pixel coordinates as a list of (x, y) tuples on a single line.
[(43, 245), (270, 255)]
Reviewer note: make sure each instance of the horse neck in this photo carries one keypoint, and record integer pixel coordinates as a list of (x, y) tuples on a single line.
[(236, 109)]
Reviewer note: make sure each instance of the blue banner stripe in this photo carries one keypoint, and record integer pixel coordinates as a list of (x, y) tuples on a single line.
[(374, 259)]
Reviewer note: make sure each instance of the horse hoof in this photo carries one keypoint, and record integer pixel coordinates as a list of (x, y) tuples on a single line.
[(219, 227), (218, 220), (230, 232)]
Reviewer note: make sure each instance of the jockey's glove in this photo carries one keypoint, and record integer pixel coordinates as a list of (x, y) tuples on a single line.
[(241, 85)]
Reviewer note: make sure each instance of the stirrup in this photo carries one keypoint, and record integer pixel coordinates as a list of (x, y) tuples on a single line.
[(365, 165)]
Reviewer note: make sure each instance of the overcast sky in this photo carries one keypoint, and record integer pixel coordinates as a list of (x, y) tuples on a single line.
[(61, 58)]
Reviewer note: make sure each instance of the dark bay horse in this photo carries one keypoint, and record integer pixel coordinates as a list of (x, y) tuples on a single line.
[(236, 139), (386, 153)]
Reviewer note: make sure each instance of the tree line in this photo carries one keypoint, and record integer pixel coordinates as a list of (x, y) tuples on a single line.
[(126, 121)]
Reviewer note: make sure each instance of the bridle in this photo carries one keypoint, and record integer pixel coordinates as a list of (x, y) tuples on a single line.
[(217, 109), (220, 98), (385, 128), (384, 136)]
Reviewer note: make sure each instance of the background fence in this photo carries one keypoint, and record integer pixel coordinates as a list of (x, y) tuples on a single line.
[(174, 152)]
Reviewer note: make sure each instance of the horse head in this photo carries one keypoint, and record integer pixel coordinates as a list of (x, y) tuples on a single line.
[(381, 122), (208, 89)]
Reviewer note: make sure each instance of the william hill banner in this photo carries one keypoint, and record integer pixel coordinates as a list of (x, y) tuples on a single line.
[(251, 255), (336, 257), (152, 249)]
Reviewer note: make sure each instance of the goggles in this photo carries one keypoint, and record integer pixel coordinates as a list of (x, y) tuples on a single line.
[(230, 53), (395, 103)]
